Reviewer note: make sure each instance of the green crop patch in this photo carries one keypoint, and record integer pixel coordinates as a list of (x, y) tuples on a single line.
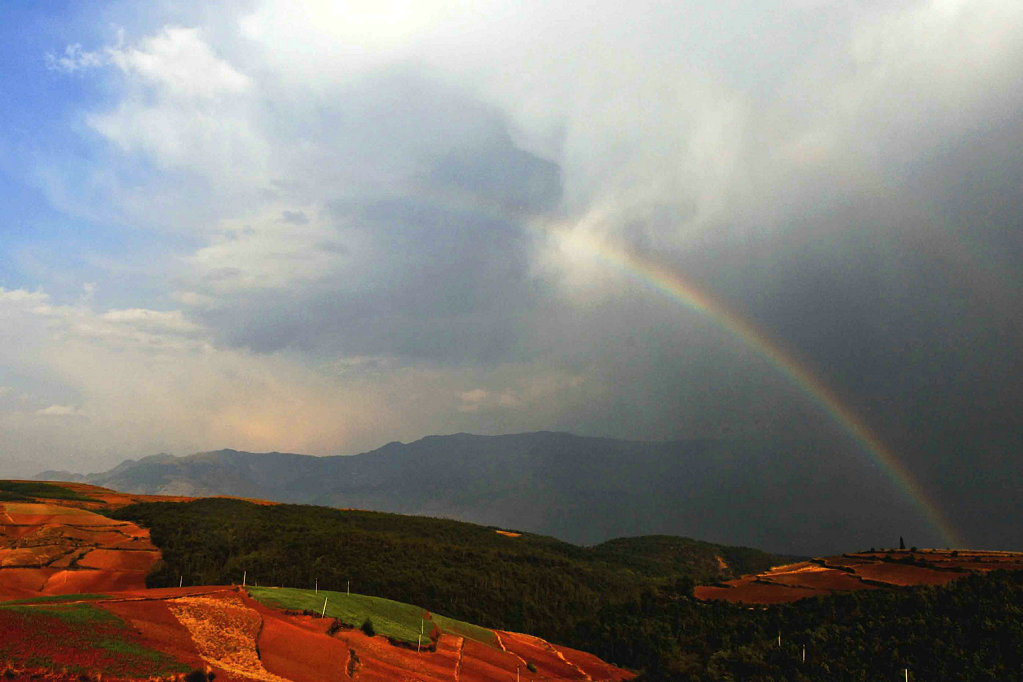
[(22, 491), (398, 621), (463, 629)]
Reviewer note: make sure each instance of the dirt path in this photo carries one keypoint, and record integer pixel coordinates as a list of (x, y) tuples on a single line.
[(461, 651), (506, 650)]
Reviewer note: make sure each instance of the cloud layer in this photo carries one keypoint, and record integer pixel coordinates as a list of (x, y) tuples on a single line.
[(355, 225)]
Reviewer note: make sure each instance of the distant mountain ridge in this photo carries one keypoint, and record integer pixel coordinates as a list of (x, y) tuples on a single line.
[(779, 496)]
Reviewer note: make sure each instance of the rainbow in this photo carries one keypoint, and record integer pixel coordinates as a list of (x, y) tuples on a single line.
[(671, 283), (579, 238)]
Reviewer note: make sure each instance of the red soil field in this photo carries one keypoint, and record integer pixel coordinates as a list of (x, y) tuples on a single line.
[(481, 663), (545, 657), (21, 583), (322, 657), (593, 666), (753, 592), (30, 514), (30, 557), (864, 570), (49, 549), (380, 660), (902, 574), (158, 628), (93, 581), (120, 560)]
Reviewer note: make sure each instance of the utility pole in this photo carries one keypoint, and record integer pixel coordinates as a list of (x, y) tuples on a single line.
[(181, 579), (348, 588), (324, 607), (316, 586), (245, 574)]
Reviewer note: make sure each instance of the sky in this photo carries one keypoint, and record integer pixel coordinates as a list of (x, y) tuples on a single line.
[(321, 227)]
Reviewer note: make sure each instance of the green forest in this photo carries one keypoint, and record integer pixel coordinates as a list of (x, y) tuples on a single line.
[(628, 600)]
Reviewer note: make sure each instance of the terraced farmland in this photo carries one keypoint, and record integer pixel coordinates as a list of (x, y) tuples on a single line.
[(73, 604), (48, 549), (858, 571)]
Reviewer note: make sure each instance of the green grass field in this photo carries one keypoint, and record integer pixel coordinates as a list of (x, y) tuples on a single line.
[(390, 618), (55, 598)]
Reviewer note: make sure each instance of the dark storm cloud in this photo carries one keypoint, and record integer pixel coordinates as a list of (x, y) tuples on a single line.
[(904, 293)]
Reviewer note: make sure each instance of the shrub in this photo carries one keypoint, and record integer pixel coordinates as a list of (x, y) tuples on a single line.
[(367, 627)]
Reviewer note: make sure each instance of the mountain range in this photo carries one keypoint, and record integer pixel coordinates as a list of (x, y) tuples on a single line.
[(781, 496)]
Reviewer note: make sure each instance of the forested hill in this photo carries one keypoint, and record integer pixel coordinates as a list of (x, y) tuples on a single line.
[(501, 578), (626, 600), (776, 495)]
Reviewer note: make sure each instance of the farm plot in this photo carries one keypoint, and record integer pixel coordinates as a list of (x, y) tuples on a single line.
[(50, 549), (905, 574), (224, 631), (460, 651), (322, 657), (395, 620), (859, 571), (547, 660), (752, 591), (816, 578), (89, 640)]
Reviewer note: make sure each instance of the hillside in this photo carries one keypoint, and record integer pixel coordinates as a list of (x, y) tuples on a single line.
[(627, 601), (495, 577), (583, 490), (73, 605)]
